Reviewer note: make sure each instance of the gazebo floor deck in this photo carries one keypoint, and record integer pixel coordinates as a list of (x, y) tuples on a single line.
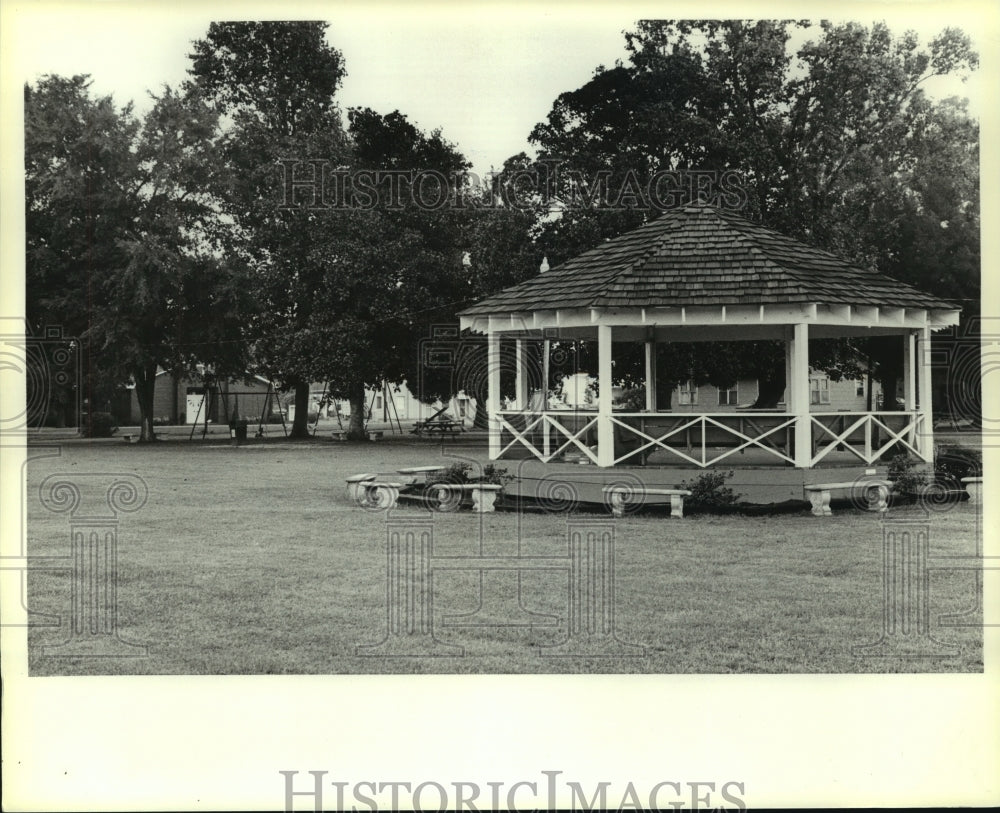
[(758, 477)]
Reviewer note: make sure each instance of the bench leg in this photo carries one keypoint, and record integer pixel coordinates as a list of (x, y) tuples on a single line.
[(483, 500), (975, 491), (383, 496), (358, 492), (677, 505), (617, 504), (820, 503), (447, 499), (880, 500)]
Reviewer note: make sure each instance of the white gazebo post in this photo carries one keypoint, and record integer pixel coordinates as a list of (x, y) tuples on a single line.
[(910, 380), (493, 391), (651, 372), (798, 392), (925, 432), (546, 352), (605, 427), (521, 378)]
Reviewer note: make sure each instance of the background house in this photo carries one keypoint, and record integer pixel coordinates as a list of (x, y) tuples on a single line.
[(186, 399), (384, 404), (576, 392)]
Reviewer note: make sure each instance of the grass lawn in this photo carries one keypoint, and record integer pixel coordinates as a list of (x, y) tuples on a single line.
[(252, 560)]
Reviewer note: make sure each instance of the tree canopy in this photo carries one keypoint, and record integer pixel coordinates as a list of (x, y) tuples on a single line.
[(122, 236), (835, 141)]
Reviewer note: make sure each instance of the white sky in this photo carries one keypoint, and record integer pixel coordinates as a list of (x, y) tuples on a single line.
[(484, 74)]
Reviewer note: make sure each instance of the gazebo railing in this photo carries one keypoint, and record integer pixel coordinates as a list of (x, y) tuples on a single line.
[(862, 433), (550, 434), (694, 435), (706, 439)]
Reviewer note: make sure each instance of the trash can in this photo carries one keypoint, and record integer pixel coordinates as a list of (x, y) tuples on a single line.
[(238, 431)]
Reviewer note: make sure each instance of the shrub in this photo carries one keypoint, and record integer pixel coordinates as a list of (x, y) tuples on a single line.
[(903, 476), (496, 475), (98, 425), (952, 463), (709, 491), (633, 400), (457, 472)]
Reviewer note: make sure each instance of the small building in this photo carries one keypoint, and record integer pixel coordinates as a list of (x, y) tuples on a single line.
[(188, 399)]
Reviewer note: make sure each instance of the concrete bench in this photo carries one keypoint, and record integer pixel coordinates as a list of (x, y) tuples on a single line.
[(339, 434), (355, 487), (974, 485), (355, 490), (426, 471), (129, 438), (380, 495), (484, 495), (374, 435), (618, 496), (819, 494)]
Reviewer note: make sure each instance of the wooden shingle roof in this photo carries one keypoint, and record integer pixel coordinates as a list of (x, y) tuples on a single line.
[(701, 255)]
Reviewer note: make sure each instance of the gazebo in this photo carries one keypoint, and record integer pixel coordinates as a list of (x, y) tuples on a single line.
[(700, 273)]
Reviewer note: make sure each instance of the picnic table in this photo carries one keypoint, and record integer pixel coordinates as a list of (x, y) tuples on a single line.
[(439, 427)]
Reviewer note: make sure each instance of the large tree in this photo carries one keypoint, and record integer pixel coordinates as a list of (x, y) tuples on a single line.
[(122, 228), (276, 82), (836, 142), (392, 259), (77, 157)]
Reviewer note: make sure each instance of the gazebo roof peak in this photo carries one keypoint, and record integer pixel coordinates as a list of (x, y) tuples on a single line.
[(701, 255)]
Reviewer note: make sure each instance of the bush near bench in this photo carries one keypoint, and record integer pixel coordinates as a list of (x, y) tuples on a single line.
[(709, 492)]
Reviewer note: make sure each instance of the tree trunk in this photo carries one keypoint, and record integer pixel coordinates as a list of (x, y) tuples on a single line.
[(356, 425), (300, 426), (175, 381), (664, 394), (888, 354), (145, 385), (482, 418), (771, 390)]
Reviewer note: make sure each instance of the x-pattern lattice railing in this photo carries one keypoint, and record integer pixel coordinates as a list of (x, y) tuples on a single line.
[(695, 438), (865, 422), (544, 421), (701, 423)]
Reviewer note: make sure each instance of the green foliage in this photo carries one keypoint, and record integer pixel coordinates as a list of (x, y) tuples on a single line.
[(709, 491), (903, 473), (952, 463), (835, 140), (457, 473), (345, 293), (121, 214), (497, 475)]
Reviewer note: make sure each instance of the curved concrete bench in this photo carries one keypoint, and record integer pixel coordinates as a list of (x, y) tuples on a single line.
[(974, 485), (617, 497), (427, 471), (355, 487), (484, 495), (380, 495)]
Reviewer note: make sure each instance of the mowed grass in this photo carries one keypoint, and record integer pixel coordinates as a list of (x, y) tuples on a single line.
[(253, 560)]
